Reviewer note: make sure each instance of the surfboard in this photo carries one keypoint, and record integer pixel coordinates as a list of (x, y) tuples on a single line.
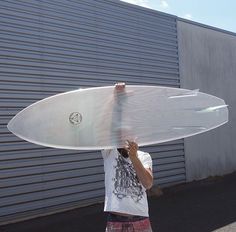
[(102, 117)]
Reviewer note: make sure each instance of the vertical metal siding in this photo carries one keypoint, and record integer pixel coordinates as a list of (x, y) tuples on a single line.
[(51, 46)]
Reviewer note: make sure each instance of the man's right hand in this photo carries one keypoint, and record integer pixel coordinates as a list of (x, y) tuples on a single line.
[(120, 86)]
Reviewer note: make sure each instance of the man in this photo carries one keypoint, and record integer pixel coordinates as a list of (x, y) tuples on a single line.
[(128, 173)]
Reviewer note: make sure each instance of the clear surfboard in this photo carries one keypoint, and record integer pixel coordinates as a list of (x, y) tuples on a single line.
[(102, 118)]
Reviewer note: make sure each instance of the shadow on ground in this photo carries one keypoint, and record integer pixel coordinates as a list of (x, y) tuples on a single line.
[(202, 206)]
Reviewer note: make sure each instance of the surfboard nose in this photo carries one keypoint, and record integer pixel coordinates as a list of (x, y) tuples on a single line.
[(10, 126)]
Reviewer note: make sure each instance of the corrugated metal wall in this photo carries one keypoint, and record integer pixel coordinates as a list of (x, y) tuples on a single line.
[(51, 46)]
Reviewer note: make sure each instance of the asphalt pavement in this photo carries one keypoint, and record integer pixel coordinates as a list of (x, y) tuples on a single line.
[(200, 206)]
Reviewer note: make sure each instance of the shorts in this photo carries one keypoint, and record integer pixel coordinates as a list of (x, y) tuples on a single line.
[(117, 223)]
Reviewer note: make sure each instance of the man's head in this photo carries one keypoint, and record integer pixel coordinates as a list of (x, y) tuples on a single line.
[(123, 152), (130, 148)]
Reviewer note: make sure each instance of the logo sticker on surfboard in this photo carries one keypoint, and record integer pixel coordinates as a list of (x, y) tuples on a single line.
[(75, 118)]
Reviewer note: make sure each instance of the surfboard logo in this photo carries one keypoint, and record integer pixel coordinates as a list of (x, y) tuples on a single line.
[(75, 118)]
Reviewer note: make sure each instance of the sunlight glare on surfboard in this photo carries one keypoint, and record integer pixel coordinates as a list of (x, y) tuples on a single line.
[(102, 117)]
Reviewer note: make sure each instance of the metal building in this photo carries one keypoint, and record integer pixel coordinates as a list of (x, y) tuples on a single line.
[(48, 47), (207, 60)]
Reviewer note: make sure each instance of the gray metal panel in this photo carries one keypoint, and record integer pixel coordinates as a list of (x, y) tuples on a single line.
[(207, 61), (52, 46)]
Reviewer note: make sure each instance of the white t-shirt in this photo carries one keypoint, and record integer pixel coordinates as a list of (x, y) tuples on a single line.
[(124, 192)]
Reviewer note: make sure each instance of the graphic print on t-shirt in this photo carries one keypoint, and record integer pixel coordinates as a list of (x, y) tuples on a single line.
[(126, 183)]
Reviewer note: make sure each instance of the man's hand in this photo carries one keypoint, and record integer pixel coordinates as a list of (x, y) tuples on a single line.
[(120, 87), (131, 148)]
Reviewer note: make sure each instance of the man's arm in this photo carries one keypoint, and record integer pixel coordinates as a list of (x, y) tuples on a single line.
[(145, 175)]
